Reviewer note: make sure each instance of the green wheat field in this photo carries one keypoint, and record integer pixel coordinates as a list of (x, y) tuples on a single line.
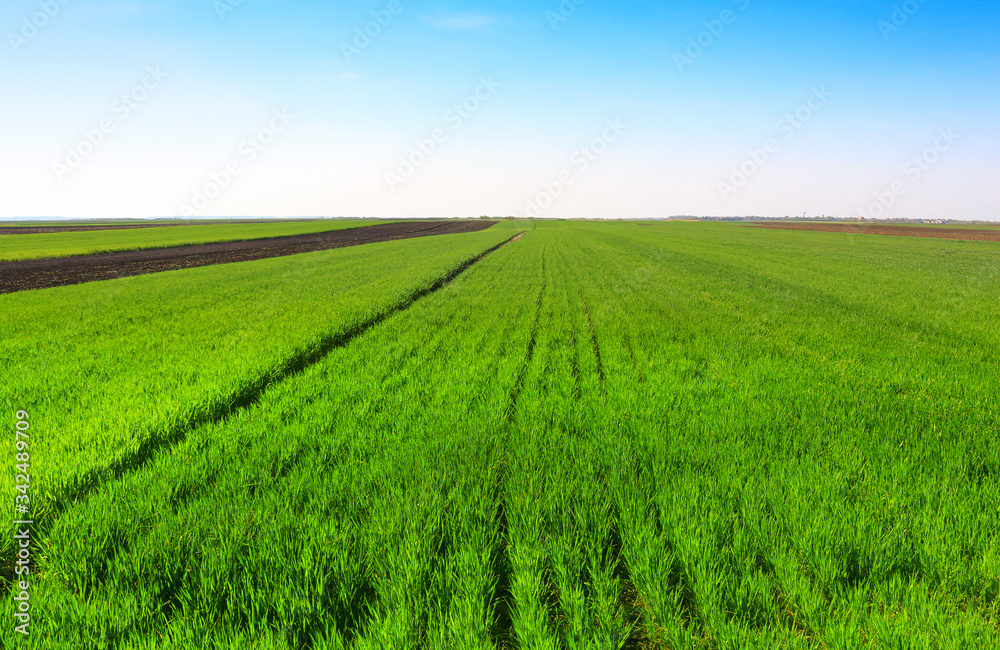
[(547, 435)]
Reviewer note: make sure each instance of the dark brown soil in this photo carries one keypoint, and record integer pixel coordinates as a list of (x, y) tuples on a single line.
[(887, 229), (37, 230), (24, 275)]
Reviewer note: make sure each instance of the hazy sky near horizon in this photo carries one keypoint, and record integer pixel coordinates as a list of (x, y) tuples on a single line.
[(580, 108)]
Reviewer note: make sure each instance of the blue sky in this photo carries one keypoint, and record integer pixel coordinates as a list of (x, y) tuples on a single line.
[(278, 108)]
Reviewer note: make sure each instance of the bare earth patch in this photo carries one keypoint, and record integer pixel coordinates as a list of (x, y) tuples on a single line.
[(889, 229), (24, 275)]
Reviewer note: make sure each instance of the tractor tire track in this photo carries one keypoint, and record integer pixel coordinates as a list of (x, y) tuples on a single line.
[(594, 343), (503, 623)]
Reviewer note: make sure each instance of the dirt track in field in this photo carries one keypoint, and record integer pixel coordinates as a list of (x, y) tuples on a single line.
[(38, 230), (892, 230), (24, 275)]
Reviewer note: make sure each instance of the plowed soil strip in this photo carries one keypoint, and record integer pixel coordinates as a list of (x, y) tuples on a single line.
[(24, 275), (882, 229)]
